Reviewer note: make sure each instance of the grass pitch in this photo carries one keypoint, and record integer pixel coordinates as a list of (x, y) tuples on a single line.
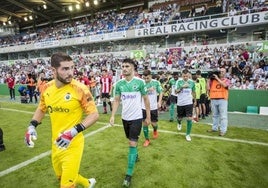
[(237, 160)]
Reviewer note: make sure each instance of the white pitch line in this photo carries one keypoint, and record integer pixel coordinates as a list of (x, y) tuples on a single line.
[(171, 132), (218, 138), (25, 163), (208, 137), (42, 155), (15, 110)]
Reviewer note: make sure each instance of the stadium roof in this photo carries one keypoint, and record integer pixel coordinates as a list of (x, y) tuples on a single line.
[(43, 12)]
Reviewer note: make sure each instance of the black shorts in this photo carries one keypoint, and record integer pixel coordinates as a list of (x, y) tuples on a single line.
[(132, 129), (164, 98), (202, 99), (173, 99), (154, 115), (197, 102), (105, 95), (185, 111)]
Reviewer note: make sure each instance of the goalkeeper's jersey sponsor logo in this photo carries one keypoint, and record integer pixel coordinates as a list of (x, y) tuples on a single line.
[(58, 109), (68, 96)]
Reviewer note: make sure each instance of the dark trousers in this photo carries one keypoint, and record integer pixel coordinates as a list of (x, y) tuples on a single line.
[(1, 137), (31, 93), (2, 146), (12, 93)]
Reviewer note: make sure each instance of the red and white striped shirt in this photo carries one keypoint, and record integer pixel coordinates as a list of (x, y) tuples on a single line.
[(106, 84)]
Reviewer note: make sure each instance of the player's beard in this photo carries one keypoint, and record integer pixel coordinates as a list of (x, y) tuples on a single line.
[(64, 80)]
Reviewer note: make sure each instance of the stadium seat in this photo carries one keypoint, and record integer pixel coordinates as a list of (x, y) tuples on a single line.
[(263, 110), (252, 109)]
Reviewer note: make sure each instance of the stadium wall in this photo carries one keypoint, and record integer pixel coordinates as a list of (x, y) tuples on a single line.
[(238, 99)]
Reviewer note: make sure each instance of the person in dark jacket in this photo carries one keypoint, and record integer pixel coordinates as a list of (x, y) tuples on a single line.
[(2, 146)]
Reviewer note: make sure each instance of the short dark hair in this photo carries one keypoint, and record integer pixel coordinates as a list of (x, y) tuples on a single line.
[(185, 71), (130, 61), (175, 73), (198, 72), (59, 57), (104, 70), (146, 72)]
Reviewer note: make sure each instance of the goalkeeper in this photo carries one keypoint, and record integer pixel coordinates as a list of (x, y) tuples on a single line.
[(66, 100)]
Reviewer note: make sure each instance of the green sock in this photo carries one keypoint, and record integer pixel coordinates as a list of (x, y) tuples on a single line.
[(189, 127), (179, 121), (171, 110), (132, 155), (146, 132), (155, 127)]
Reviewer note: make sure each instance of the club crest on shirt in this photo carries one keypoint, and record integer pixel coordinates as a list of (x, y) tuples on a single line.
[(68, 96), (135, 87)]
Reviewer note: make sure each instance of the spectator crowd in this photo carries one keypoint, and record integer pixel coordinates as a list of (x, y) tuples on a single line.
[(246, 67), (246, 70), (111, 20)]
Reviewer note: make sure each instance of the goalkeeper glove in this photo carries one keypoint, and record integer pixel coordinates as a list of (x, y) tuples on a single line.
[(63, 141), (31, 134)]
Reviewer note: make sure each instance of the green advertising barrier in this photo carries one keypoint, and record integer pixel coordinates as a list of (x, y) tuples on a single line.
[(238, 99), (5, 91)]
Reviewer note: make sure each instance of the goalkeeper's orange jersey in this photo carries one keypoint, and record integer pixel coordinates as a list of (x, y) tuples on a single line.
[(66, 105)]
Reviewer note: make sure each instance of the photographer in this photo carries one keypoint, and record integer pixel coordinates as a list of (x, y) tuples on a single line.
[(217, 86)]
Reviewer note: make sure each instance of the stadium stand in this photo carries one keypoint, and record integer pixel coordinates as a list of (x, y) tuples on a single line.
[(205, 49)]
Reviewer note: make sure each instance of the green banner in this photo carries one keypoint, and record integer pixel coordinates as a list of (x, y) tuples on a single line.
[(265, 46), (137, 54), (11, 62)]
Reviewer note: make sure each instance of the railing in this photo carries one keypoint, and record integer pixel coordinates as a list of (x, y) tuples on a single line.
[(125, 28)]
